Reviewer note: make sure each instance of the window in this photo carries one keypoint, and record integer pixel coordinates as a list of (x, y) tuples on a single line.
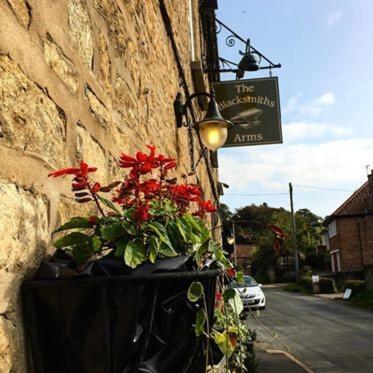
[(332, 229)]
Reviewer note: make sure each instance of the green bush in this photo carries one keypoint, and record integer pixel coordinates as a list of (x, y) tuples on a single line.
[(306, 283), (262, 278), (327, 285), (357, 286), (364, 300)]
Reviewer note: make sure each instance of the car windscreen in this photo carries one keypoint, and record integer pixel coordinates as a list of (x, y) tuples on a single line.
[(247, 282)]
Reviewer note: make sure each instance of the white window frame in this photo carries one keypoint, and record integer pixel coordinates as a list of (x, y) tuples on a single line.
[(332, 229), (337, 255)]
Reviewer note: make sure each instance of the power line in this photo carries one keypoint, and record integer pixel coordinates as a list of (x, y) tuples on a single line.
[(315, 187), (256, 194)]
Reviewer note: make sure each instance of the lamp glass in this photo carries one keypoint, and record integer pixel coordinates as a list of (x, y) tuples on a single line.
[(230, 240), (213, 133)]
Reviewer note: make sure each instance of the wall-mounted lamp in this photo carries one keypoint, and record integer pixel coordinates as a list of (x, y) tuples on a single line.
[(213, 128)]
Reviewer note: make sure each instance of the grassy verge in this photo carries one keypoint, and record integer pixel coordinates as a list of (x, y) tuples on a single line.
[(297, 287), (364, 300)]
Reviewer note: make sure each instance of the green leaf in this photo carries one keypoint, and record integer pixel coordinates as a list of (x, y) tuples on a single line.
[(173, 234), (182, 228), (154, 248), (110, 232), (198, 225), (240, 278), (96, 244), (81, 253), (135, 253), (201, 251), (160, 230), (166, 250), (229, 294), (121, 246), (200, 322), (236, 303), (223, 342), (71, 239), (195, 291), (77, 222), (109, 204)]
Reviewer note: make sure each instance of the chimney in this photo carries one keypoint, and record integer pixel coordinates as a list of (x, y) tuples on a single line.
[(370, 182), (370, 196)]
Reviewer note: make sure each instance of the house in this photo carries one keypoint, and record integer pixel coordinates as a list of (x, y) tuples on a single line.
[(244, 254), (350, 232)]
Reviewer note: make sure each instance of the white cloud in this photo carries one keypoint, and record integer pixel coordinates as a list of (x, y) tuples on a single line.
[(330, 163), (313, 108), (310, 130), (292, 104), (334, 17), (326, 99)]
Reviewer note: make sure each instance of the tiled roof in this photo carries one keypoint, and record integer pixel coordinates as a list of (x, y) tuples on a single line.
[(355, 204)]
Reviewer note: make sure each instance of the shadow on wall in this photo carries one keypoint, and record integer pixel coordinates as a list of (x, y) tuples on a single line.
[(23, 236)]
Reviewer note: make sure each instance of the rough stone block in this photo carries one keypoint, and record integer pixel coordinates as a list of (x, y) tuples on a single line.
[(98, 109), (31, 121), (61, 64), (81, 30), (22, 10), (89, 150)]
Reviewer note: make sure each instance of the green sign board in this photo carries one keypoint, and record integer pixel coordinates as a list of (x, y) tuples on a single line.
[(253, 106)]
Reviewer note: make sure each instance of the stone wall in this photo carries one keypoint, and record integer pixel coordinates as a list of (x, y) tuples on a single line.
[(78, 79)]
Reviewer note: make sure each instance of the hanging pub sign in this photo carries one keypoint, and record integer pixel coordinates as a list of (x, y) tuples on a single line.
[(253, 106)]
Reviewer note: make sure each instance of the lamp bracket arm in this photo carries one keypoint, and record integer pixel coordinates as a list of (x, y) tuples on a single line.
[(197, 94)]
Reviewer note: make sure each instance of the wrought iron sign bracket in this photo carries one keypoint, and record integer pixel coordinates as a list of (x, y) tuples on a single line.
[(251, 57)]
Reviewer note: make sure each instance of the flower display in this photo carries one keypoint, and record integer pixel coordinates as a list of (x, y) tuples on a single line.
[(147, 215)]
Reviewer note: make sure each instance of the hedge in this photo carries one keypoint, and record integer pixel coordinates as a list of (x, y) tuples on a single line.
[(327, 285), (357, 286)]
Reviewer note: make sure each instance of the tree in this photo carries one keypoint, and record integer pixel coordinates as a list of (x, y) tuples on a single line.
[(252, 223)]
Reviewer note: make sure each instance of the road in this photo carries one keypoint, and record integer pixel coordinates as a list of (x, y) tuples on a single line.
[(325, 335)]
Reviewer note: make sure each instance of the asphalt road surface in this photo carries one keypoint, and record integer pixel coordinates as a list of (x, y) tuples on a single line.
[(325, 335)]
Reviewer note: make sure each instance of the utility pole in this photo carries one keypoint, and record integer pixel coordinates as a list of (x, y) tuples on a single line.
[(234, 242), (295, 249)]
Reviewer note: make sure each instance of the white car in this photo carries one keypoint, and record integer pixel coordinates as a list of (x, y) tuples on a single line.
[(251, 293)]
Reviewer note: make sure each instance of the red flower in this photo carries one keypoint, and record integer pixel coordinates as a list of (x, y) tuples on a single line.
[(206, 206), (151, 156), (218, 296), (142, 213), (231, 272), (277, 231), (80, 181), (141, 157), (170, 165), (151, 186), (146, 168), (96, 188), (92, 220), (83, 171)]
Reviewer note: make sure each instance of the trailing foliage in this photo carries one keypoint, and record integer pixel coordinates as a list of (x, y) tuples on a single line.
[(228, 333)]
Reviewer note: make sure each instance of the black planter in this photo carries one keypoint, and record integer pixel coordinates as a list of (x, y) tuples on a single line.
[(140, 322)]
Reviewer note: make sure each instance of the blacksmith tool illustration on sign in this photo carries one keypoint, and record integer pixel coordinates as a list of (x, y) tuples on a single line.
[(254, 108), (248, 118)]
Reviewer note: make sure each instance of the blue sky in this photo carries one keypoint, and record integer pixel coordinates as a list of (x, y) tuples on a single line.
[(326, 92)]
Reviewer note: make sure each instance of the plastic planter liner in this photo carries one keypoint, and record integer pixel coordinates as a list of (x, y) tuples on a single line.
[(105, 322)]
